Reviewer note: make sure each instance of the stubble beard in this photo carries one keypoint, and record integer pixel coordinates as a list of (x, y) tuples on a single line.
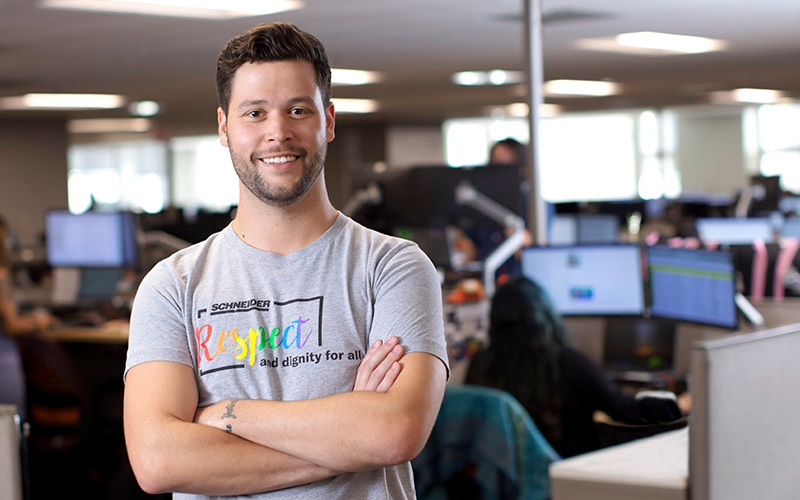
[(250, 175)]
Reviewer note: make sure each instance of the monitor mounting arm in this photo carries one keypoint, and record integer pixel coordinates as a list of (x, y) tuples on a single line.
[(466, 194)]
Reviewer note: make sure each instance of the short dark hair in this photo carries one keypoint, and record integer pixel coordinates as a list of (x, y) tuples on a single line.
[(280, 41)]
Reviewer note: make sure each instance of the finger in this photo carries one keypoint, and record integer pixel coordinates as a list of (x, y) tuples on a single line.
[(390, 377), (384, 374), (377, 361)]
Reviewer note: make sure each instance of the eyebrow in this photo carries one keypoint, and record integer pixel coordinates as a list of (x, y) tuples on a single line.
[(261, 102)]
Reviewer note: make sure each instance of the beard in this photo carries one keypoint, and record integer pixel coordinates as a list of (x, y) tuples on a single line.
[(247, 168)]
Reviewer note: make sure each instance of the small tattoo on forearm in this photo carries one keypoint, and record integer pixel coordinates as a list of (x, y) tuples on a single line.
[(229, 429), (229, 409)]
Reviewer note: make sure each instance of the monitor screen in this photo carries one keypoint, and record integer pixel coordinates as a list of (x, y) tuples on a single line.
[(601, 280), (598, 228), (790, 228), (735, 230), (571, 229), (90, 239), (638, 345), (696, 286), (425, 196)]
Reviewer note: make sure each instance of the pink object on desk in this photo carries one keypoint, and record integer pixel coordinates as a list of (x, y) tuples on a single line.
[(759, 276), (789, 248)]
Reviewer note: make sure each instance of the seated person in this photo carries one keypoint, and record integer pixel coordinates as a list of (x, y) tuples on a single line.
[(12, 322), (559, 386)]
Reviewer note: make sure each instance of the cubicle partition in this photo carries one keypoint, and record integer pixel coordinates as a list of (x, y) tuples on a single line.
[(10, 467), (744, 437)]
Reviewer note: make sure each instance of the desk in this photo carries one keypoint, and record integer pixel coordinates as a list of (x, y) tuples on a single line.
[(112, 332), (654, 468), (83, 365)]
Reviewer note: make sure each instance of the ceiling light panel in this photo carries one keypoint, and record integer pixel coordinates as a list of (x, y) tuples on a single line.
[(202, 9), (108, 125), (355, 105), (581, 88), (650, 43), (354, 77), (62, 101)]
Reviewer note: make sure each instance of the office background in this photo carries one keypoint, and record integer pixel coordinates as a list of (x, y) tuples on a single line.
[(416, 47)]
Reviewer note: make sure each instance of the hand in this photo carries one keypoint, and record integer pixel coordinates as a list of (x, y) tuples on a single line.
[(213, 415), (380, 366)]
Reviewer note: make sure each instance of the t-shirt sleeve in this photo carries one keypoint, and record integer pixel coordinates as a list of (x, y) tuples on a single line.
[(408, 303), (157, 328)]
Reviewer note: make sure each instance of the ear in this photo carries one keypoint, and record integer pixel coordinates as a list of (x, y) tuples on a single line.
[(222, 127), (330, 122)]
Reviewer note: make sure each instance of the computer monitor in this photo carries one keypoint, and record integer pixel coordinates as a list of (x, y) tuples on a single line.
[(634, 345), (425, 196), (735, 230), (790, 228), (692, 285), (598, 228), (90, 239), (563, 230), (588, 280)]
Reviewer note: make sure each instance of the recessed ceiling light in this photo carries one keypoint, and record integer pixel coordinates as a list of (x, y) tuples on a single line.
[(62, 101), (144, 108), (652, 43), (493, 77), (747, 95), (583, 88), (353, 77), (355, 105), (108, 125), (204, 9), (522, 109)]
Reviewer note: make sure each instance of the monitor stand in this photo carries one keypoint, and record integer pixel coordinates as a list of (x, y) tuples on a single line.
[(749, 311)]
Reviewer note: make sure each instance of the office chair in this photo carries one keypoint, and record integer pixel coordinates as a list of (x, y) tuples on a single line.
[(13, 392), (484, 445), (12, 383)]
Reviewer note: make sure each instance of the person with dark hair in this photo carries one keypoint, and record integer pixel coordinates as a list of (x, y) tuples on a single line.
[(295, 354), (559, 386), (12, 321), (508, 151)]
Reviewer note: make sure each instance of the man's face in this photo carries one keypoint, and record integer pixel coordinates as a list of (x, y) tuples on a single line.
[(277, 129)]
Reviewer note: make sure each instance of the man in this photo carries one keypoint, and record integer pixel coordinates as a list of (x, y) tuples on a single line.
[(245, 371)]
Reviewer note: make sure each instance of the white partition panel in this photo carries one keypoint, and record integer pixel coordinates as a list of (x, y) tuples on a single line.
[(744, 432), (10, 477)]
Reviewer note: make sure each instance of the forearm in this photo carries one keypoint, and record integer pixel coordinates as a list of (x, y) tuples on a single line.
[(352, 431), (168, 452), (192, 458)]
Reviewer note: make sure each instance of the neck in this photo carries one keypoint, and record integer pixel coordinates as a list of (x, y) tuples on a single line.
[(283, 230)]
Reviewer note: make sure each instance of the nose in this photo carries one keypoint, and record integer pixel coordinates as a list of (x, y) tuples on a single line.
[(278, 127)]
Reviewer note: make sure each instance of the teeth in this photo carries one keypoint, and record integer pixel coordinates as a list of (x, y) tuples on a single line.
[(279, 159)]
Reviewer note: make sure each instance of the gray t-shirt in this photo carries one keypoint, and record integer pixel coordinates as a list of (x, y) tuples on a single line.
[(257, 325)]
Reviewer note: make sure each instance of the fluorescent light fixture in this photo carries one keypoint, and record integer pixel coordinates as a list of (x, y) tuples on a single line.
[(493, 77), (108, 125), (522, 109), (353, 77), (62, 101), (204, 9), (144, 108), (585, 88), (652, 43), (355, 105), (747, 95)]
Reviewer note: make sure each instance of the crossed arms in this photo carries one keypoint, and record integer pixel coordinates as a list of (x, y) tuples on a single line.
[(271, 445)]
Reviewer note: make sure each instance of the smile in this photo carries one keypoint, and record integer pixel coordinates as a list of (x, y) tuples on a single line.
[(280, 159)]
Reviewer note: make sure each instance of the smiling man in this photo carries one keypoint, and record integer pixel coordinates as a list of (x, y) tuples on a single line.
[(295, 354)]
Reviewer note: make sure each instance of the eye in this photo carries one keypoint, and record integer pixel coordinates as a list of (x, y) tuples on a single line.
[(254, 113), (298, 111)]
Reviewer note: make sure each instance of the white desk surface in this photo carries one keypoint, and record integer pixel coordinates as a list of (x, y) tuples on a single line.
[(653, 468)]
